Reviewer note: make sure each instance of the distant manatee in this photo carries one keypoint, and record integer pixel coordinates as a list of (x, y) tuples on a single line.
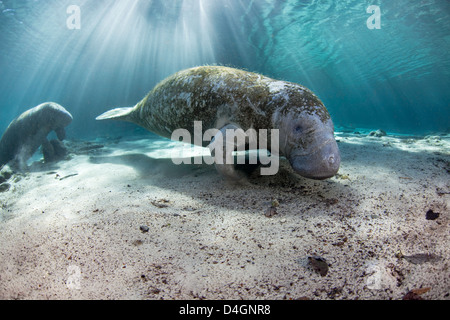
[(29, 131)]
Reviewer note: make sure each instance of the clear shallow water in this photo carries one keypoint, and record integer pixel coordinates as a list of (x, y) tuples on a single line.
[(395, 78)]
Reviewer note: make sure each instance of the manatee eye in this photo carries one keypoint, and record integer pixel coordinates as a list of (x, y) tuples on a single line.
[(298, 129)]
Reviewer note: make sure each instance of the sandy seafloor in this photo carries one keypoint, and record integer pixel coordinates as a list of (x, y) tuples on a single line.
[(117, 220)]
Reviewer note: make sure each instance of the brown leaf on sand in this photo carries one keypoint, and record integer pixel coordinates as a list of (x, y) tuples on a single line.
[(319, 265), (271, 211), (415, 294), (421, 290), (421, 258), (162, 203)]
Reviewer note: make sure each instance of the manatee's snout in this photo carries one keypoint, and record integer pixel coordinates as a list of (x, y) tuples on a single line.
[(331, 161), (322, 164)]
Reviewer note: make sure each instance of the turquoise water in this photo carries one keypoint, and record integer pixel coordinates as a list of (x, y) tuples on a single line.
[(111, 53)]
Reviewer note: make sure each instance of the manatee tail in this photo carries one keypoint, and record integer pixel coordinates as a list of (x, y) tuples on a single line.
[(123, 114)]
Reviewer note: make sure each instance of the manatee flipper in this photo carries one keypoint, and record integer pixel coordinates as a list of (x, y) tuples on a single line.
[(222, 146), (53, 150), (123, 114), (60, 133)]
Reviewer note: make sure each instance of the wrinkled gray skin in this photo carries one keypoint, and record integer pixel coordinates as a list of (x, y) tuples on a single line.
[(29, 131), (222, 97), (309, 144)]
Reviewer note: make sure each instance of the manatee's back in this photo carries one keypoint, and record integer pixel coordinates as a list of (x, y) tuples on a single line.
[(19, 137), (214, 95)]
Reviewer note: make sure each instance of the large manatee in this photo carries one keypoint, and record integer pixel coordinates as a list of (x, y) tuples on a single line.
[(29, 131), (224, 98)]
